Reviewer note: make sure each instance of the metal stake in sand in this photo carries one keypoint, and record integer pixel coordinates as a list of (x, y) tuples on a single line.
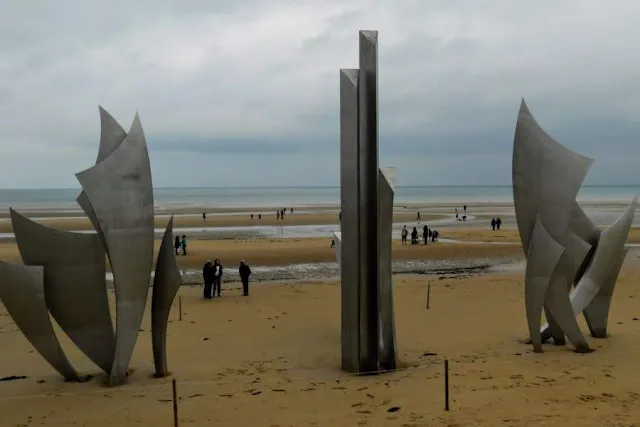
[(428, 294), (180, 308), (446, 385), (175, 403)]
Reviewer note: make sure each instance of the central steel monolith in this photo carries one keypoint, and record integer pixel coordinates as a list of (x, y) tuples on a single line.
[(368, 342)]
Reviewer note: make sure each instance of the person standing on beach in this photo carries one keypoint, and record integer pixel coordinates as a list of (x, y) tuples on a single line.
[(493, 224), (184, 244), (425, 234), (498, 223), (176, 244), (204, 216), (465, 208), (251, 217), (404, 234), (217, 277), (259, 216), (418, 217), (282, 214), (207, 276), (291, 211), (414, 236), (244, 272)]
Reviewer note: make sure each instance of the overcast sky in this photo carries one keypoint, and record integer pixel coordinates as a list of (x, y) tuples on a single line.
[(241, 93)]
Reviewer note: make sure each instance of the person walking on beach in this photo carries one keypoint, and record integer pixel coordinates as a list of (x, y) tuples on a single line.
[(282, 214), (425, 234), (418, 219), (207, 276), (204, 216), (414, 236), (404, 234), (184, 244), (217, 277), (244, 272), (465, 208), (259, 216), (251, 217), (291, 211), (493, 224), (498, 223)]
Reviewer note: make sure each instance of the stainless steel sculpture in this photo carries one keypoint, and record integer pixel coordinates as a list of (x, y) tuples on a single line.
[(74, 284), (166, 282), (120, 192), (560, 242), (65, 271), (22, 293), (111, 136), (368, 343)]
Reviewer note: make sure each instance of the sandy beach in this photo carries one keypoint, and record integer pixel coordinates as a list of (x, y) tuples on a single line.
[(273, 358)]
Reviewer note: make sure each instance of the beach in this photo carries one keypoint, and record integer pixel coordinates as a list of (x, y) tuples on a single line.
[(273, 358)]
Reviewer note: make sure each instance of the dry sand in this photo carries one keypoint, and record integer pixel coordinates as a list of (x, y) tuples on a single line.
[(272, 359)]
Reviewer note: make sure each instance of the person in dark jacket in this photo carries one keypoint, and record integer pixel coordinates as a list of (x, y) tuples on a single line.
[(177, 244), (498, 223), (425, 234), (244, 272), (207, 276), (217, 277), (414, 236)]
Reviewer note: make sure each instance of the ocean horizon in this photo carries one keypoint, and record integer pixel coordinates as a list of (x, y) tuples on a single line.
[(220, 197)]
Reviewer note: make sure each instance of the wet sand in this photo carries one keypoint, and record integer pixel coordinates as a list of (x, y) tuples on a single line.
[(510, 234), (232, 220), (271, 252), (273, 359)]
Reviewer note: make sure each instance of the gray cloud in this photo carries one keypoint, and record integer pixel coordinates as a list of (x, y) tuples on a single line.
[(246, 93)]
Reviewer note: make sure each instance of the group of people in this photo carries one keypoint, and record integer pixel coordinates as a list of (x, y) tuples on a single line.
[(464, 215), (427, 234), (496, 223), (212, 275), (180, 243), (280, 213)]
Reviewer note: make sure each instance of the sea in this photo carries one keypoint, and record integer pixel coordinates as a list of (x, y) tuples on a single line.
[(63, 199)]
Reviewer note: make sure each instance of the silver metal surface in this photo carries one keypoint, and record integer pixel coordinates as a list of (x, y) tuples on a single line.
[(543, 256), (119, 189), (368, 200), (364, 243), (349, 239), (111, 136), (22, 293), (386, 188), (337, 239), (74, 284), (166, 282), (546, 181), (604, 270)]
